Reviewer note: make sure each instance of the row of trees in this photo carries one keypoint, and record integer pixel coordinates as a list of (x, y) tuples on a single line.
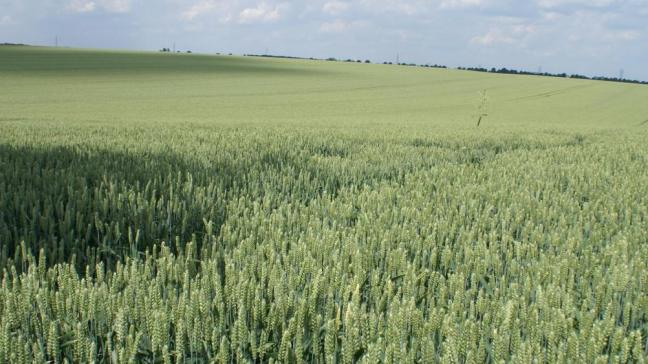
[(565, 75), (168, 50), (417, 65)]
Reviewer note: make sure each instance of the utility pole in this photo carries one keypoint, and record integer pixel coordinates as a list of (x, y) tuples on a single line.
[(174, 47), (621, 74), (56, 41), (397, 58)]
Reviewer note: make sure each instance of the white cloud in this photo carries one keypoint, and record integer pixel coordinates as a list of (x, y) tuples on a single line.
[(451, 4), (551, 15), (340, 26), (198, 9), (587, 3), (262, 13), (116, 6), (493, 37), (335, 7), (621, 35), (523, 29), (82, 6), (405, 7), (236, 11), (513, 34), (336, 26), (6, 20), (111, 6)]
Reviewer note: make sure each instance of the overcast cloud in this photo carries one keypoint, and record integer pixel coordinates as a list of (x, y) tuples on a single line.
[(593, 37)]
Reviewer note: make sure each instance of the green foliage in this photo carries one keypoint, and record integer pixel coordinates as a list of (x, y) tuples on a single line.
[(199, 242)]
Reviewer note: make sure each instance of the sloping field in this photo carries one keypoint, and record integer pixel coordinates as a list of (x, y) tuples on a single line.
[(192, 208), (44, 84)]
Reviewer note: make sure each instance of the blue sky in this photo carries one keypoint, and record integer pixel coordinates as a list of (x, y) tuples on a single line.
[(593, 37)]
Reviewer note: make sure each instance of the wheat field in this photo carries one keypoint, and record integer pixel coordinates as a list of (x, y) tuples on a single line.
[(167, 208)]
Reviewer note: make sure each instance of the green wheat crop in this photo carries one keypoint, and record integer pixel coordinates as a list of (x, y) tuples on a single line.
[(161, 208)]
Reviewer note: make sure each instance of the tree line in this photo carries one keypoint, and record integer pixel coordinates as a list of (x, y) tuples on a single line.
[(547, 74), (502, 70)]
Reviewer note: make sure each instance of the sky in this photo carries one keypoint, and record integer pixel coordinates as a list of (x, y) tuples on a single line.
[(591, 37)]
